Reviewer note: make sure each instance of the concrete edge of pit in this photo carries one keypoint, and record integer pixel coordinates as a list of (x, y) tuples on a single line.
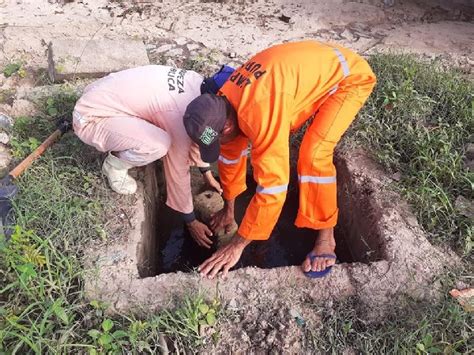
[(409, 265)]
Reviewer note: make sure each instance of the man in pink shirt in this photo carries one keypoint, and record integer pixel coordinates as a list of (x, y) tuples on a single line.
[(136, 115)]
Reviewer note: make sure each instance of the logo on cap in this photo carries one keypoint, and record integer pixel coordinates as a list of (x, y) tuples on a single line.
[(208, 135)]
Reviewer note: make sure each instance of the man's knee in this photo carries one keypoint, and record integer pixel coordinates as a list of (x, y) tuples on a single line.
[(144, 154), (158, 152), (157, 149), (316, 153)]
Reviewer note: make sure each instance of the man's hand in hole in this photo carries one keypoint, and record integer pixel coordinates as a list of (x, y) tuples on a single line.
[(200, 233), (223, 219), (224, 258), (210, 180)]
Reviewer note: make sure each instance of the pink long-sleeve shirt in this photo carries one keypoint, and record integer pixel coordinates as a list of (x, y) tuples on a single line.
[(159, 95)]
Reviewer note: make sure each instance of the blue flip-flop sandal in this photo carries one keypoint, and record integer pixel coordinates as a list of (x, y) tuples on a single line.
[(318, 274)]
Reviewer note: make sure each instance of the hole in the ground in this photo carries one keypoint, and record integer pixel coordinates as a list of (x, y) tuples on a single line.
[(168, 246)]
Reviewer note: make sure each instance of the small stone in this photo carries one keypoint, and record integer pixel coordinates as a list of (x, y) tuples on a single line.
[(175, 52), (232, 55), (232, 304), (4, 138), (86, 58), (6, 122), (294, 313), (181, 41), (5, 159), (163, 48), (469, 165), (460, 285), (464, 206), (346, 34), (192, 46), (397, 176), (170, 62)]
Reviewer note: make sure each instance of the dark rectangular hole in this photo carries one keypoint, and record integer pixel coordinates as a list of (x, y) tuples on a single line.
[(175, 250)]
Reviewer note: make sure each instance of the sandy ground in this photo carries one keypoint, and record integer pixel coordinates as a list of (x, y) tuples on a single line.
[(229, 31), (240, 27)]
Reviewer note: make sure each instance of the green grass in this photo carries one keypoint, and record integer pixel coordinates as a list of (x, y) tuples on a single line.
[(415, 328), (206, 63), (14, 68), (418, 122)]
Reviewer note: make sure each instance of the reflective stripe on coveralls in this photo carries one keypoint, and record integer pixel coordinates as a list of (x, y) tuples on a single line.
[(343, 61), (344, 66), (226, 161), (272, 190), (317, 179)]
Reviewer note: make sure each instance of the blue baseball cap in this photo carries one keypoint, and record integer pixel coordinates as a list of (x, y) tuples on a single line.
[(204, 121), (212, 84)]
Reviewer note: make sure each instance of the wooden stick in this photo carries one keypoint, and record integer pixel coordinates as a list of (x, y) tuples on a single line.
[(25, 164)]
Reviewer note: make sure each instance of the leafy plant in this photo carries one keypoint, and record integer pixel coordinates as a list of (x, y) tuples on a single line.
[(21, 149), (14, 68), (426, 346), (105, 340), (189, 320)]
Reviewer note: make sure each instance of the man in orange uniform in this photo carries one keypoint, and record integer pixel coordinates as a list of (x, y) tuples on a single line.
[(266, 99)]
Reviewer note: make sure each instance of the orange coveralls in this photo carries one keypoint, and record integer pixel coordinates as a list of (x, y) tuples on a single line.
[(275, 93)]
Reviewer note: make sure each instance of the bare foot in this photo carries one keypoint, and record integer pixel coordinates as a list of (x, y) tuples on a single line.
[(324, 244)]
